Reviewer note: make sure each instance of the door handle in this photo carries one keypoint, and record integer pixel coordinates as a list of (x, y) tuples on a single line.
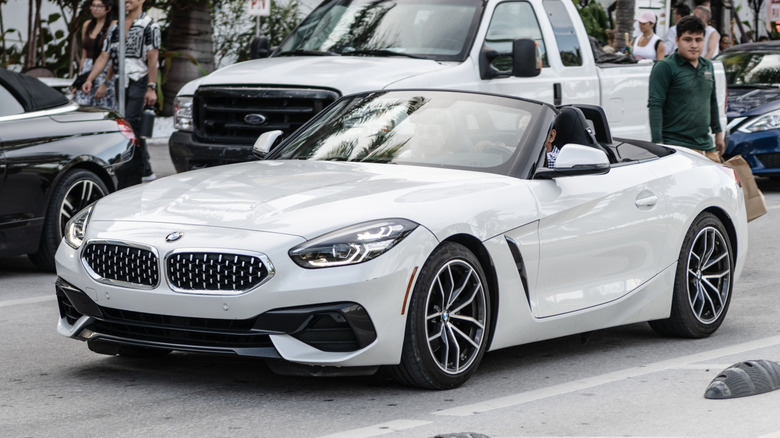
[(557, 94), (647, 201)]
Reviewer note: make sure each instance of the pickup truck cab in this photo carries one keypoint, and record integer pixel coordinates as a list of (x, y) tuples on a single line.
[(350, 46)]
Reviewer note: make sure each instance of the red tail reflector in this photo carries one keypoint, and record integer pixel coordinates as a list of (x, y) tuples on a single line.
[(127, 130)]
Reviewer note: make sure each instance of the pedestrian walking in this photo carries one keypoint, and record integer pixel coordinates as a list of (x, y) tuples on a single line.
[(93, 35), (682, 100), (141, 54), (648, 45), (670, 42), (711, 36)]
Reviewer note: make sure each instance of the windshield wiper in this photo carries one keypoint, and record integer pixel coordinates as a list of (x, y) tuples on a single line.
[(302, 52), (756, 86), (379, 52)]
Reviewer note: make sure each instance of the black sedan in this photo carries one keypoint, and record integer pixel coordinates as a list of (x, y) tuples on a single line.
[(55, 159), (753, 80)]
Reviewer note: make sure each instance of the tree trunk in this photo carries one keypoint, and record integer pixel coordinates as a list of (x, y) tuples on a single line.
[(29, 59), (189, 39), (624, 16)]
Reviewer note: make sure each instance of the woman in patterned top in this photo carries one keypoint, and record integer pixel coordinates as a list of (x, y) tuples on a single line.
[(93, 33)]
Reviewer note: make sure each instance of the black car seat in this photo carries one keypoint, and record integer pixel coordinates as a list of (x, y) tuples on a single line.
[(572, 127)]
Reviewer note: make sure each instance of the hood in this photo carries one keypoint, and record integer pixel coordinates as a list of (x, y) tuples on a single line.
[(336, 72), (305, 198), (752, 101)]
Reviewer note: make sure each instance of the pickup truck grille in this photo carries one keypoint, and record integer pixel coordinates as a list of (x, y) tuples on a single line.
[(238, 115)]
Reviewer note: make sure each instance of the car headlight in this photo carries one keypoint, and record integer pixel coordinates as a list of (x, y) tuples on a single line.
[(76, 228), (182, 113), (764, 123), (356, 244)]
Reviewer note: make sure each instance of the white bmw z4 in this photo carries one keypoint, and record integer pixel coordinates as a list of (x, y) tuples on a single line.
[(413, 229)]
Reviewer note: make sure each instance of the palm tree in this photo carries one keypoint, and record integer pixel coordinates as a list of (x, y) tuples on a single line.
[(189, 50), (624, 16)]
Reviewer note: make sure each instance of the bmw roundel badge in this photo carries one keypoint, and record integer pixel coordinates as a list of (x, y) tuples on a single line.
[(173, 236)]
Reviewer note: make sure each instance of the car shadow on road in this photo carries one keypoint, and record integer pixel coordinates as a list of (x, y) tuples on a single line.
[(771, 185)]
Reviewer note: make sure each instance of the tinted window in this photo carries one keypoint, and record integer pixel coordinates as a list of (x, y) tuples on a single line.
[(565, 36), (513, 20), (751, 68), (8, 104)]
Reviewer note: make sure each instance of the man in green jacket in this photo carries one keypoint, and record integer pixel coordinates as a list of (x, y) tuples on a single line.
[(682, 101)]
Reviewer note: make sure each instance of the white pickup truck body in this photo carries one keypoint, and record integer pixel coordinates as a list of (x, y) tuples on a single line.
[(271, 92)]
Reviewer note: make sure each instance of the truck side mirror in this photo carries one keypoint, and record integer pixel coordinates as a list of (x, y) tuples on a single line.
[(266, 142), (526, 58), (259, 48)]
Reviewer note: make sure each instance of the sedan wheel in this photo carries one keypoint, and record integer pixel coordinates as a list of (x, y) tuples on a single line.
[(448, 323), (703, 283), (76, 190)]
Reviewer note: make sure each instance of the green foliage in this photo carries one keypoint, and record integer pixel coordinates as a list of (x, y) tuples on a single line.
[(236, 29), (594, 17)]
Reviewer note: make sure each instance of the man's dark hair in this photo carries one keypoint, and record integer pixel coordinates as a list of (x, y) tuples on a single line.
[(682, 9), (690, 24), (701, 2)]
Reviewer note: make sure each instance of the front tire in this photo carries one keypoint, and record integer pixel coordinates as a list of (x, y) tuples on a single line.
[(77, 189), (703, 282), (448, 323)]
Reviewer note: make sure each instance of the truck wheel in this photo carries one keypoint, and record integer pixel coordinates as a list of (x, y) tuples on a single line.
[(703, 282), (448, 322), (76, 190)]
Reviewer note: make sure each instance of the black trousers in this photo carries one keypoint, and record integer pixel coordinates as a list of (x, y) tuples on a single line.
[(134, 107)]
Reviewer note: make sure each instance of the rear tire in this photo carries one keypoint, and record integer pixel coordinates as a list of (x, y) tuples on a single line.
[(703, 282), (448, 325), (77, 189)]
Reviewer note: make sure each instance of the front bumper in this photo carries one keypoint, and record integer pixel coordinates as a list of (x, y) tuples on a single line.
[(187, 153), (761, 150), (347, 316)]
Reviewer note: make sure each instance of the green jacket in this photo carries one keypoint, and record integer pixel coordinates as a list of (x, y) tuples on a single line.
[(682, 103)]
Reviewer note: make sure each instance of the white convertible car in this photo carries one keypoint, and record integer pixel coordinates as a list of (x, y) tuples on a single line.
[(413, 229)]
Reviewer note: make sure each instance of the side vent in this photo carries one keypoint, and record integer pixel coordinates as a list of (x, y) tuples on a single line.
[(515, 250)]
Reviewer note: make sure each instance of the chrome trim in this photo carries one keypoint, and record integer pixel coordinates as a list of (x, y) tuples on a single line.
[(734, 122), (72, 106), (95, 276), (263, 259)]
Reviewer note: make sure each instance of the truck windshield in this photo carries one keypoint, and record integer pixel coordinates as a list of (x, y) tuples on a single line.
[(434, 29)]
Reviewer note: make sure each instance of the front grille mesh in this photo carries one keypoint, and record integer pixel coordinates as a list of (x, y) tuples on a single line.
[(205, 271), (123, 263), (221, 113), (770, 161)]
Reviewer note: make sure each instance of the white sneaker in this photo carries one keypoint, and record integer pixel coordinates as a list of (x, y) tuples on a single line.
[(150, 177)]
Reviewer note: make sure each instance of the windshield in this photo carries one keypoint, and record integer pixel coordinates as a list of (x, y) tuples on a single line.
[(434, 29), (440, 129), (752, 68)]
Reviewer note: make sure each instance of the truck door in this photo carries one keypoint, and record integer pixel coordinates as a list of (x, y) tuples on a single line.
[(568, 74)]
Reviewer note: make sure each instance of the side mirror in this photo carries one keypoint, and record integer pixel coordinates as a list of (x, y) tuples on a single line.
[(265, 143), (259, 48), (576, 160), (526, 58)]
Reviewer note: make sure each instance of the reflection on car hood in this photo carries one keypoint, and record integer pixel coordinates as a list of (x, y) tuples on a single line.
[(752, 101), (307, 198)]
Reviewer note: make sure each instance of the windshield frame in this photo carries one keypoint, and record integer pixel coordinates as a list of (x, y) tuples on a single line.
[(521, 164), (287, 46)]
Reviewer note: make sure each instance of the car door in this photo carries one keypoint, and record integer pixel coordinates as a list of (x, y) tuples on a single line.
[(600, 237), (10, 110)]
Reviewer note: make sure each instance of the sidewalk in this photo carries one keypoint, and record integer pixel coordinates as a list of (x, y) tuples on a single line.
[(158, 147)]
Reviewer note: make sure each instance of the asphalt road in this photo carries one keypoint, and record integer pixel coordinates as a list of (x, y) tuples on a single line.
[(625, 381)]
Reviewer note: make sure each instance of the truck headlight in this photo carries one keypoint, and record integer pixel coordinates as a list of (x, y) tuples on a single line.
[(763, 123), (182, 113), (76, 228), (352, 245)]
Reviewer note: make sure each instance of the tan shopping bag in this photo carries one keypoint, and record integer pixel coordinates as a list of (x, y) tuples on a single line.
[(754, 199)]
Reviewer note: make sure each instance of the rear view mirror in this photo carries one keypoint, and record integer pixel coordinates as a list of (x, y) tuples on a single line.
[(259, 48)]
